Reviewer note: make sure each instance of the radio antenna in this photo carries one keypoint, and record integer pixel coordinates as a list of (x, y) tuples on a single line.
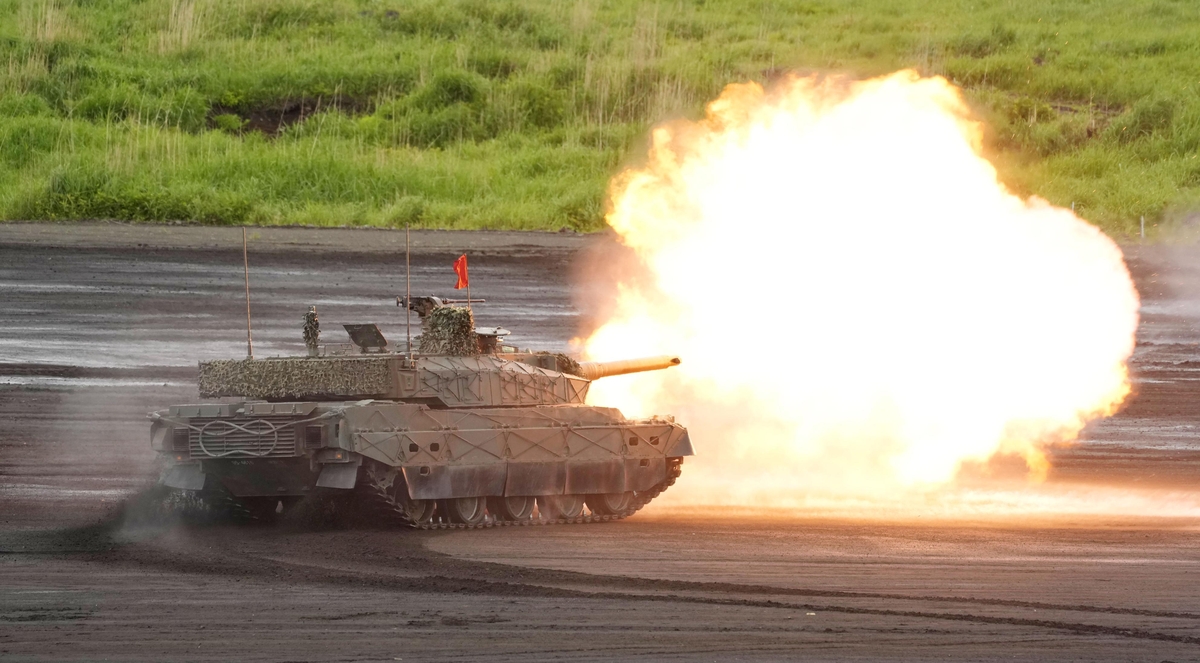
[(407, 293), (246, 267)]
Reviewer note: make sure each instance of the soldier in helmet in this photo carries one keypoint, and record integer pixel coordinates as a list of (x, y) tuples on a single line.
[(312, 331)]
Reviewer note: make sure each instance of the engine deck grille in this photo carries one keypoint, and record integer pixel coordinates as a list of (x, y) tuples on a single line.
[(242, 437)]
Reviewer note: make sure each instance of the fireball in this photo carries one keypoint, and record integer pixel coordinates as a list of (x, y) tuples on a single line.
[(860, 305)]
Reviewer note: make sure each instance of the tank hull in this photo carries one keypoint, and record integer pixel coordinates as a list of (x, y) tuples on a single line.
[(266, 449)]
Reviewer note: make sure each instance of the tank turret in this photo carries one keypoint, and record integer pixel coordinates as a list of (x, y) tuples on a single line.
[(459, 366)]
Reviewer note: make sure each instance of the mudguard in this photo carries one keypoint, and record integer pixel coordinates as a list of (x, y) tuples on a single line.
[(338, 475), (185, 477), (680, 447)]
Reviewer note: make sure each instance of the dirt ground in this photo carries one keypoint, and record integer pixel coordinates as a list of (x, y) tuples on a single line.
[(101, 324)]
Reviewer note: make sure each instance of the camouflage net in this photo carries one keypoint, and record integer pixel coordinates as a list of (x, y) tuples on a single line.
[(296, 378), (449, 330), (563, 363)]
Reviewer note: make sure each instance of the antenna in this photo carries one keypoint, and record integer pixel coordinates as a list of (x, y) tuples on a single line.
[(407, 293), (468, 272), (246, 266)]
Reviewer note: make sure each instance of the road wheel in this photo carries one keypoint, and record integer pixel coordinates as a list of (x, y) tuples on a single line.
[(609, 504), (418, 512), (553, 507), (390, 484), (514, 508), (466, 510)]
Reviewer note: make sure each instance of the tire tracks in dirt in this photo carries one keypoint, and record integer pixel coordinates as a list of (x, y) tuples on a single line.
[(229, 551)]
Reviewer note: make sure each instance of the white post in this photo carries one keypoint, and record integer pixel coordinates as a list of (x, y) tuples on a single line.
[(1143, 227)]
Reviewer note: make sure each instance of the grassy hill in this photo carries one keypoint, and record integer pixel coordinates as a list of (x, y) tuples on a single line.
[(478, 114)]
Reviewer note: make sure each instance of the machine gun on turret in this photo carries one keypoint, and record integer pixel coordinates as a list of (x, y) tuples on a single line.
[(423, 306)]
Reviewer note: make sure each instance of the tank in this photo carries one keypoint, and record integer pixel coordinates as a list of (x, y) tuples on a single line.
[(458, 430)]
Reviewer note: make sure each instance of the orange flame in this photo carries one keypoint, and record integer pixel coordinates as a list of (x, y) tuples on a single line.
[(859, 304)]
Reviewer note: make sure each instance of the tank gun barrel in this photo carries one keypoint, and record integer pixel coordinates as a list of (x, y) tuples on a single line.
[(594, 370)]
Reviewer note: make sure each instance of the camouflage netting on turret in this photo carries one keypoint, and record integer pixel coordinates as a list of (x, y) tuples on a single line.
[(563, 363), (296, 378), (449, 330)]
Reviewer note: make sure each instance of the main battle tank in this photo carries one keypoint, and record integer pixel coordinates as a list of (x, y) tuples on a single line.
[(464, 432)]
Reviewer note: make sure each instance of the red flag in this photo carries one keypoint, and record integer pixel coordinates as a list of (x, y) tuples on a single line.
[(460, 268)]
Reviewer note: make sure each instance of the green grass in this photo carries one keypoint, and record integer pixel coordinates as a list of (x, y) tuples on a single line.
[(479, 114)]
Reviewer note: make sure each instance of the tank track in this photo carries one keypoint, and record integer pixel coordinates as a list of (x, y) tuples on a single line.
[(368, 503), (371, 495), (214, 504), (233, 508)]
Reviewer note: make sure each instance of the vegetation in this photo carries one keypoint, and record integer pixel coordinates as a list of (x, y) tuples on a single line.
[(514, 114)]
